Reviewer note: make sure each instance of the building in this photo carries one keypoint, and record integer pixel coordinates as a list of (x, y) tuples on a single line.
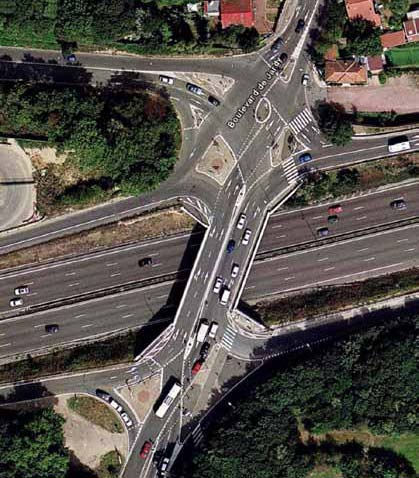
[(375, 64), (362, 9), (345, 72), (411, 29), (236, 12), (212, 8), (392, 39)]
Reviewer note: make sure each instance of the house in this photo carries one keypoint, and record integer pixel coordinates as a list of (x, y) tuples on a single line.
[(411, 28), (212, 8), (392, 39), (344, 72), (236, 12), (375, 64), (362, 9)]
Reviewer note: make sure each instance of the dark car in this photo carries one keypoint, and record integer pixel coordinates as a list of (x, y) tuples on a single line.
[(332, 219), (71, 58), (276, 45), (398, 204), (213, 101), (305, 158), (300, 25), (323, 231), (103, 395), (283, 57), (52, 328), (231, 245), (146, 261), (204, 350)]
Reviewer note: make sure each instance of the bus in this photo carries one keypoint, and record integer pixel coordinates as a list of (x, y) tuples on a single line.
[(397, 144), (202, 331), (168, 400)]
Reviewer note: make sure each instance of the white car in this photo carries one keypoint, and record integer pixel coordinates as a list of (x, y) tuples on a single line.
[(241, 222), (166, 79), (163, 466), (246, 237), (235, 270), (126, 419), (213, 330), (305, 79), (116, 406), (22, 290), (217, 285), (16, 302)]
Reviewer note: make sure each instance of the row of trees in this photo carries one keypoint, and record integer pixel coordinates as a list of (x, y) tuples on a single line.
[(370, 379)]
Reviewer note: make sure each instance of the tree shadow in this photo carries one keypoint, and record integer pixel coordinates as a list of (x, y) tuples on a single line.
[(77, 469), (136, 80), (29, 391)]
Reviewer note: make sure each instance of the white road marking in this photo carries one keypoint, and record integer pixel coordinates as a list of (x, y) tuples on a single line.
[(70, 274), (410, 250), (363, 249), (317, 217), (323, 259), (85, 326), (369, 259), (358, 208), (73, 284), (328, 269), (289, 278), (277, 226), (127, 316), (111, 264), (115, 274), (361, 218), (120, 306), (79, 316), (283, 269), (403, 240)]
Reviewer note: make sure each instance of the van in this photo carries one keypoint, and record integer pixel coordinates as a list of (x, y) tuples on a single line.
[(202, 331), (225, 296)]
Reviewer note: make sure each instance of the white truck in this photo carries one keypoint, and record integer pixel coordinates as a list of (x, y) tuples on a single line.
[(202, 331)]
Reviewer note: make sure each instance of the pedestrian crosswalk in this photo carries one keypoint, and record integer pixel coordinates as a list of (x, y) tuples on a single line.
[(228, 338), (290, 170), (301, 121), (197, 435)]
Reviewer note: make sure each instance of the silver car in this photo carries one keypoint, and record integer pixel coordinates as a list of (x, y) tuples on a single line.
[(16, 302), (126, 419)]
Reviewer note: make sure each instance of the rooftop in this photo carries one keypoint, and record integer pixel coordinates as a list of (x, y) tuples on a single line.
[(392, 39), (345, 72), (362, 9), (237, 12)]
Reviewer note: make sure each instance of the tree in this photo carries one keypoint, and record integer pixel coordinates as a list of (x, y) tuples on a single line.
[(363, 38), (334, 123)]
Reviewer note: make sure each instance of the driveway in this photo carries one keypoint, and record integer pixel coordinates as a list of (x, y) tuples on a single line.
[(398, 94), (17, 193)]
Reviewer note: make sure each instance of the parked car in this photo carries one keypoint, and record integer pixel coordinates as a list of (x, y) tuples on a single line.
[(305, 79), (145, 450), (197, 366), (305, 158), (230, 246), (398, 204), (336, 209), (323, 231), (16, 302), (164, 464), (217, 285), (52, 328), (283, 57), (115, 405), (204, 350), (276, 45), (235, 270), (71, 58), (213, 330), (126, 419), (333, 219), (194, 89), (146, 261), (103, 395), (166, 79), (300, 25), (242, 221), (213, 101), (246, 237)]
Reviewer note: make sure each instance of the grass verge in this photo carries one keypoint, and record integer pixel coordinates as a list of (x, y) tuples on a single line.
[(146, 226), (331, 299), (109, 465), (96, 412)]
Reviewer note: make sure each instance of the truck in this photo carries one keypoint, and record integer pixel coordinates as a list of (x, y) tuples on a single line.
[(225, 296), (202, 331), (397, 144)]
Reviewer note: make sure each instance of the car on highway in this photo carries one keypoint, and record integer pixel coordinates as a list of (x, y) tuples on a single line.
[(246, 237), (283, 57), (276, 45), (145, 261), (235, 270), (194, 89), (323, 231), (166, 79), (213, 101), (145, 450), (217, 285), (126, 419), (336, 209), (103, 395), (116, 406), (305, 158), (398, 204), (22, 290), (231, 246), (300, 25), (241, 222), (305, 79), (213, 330), (52, 328), (164, 464), (16, 302), (204, 350), (197, 367), (333, 219)]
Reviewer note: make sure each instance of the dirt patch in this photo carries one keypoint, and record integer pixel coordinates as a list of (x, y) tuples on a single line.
[(148, 226), (218, 161)]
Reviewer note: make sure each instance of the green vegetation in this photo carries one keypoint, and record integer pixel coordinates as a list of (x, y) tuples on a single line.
[(109, 466), (363, 38), (369, 379), (334, 123), (401, 57), (398, 9), (31, 445), (407, 444), (115, 140), (319, 185), (96, 412), (146, 26)]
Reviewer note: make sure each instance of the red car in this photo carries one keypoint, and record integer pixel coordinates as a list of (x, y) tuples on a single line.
[(197, 367), (335, 210), (145, 450)]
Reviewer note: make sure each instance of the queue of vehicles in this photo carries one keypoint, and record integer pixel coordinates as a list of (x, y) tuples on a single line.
[(116, 406)]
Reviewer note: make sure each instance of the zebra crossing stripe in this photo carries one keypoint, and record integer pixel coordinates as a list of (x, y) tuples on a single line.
[(293, 128), (306, 115)]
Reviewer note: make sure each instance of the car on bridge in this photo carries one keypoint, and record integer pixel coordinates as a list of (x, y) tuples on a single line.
[(166, 79), (246, 237), (333, 219), (145, 261), (52, 328), (323, 231)]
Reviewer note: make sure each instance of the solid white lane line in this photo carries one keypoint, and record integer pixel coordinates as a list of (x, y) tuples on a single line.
[(111, 264), (403, 240), (283, 269), (323, 259), (115, 274), (328, 269), (363, 249), (70, 274), (127, 316), (358, 208), (74, 284), (80, 316), (361, 218), (85, 326), (369, 259)]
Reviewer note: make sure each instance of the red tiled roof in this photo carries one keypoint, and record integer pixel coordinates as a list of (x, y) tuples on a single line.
[(392, 39), (411, 27), (345, 71), (375, 63), (236, 12), (362, 9)]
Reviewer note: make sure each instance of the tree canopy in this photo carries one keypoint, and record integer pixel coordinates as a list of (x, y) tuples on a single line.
[(334, 123)]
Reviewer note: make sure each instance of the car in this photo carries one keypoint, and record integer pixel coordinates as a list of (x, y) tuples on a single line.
[(217, 285), (22, 290), (305, 79), (213, 330), (146, 261), (71, 58), (166, 79), (333, 219), (213, 101), (230, 246), (398, 204), (197, 366), (16, 302), (235, 270), (336, 209), (145, 450), (164, 464), (283, 57), (305, 158), (246, 237), (300, 25), (323, 231), (194, 89), (241, 222), (204, 350), (103, 395), (115, 405), (52, 328), (126, 419), (276, 45)]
